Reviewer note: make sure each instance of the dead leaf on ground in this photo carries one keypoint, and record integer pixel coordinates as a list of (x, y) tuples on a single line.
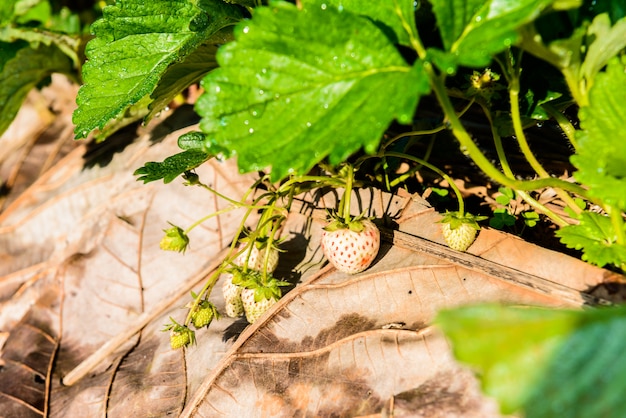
[(83, 283)]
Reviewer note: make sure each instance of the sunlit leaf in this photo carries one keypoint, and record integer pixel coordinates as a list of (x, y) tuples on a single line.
[(136, 43), (299, 85), (546, 362)]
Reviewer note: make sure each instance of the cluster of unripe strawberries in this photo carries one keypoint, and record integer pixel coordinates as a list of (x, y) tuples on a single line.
[(249, 287)]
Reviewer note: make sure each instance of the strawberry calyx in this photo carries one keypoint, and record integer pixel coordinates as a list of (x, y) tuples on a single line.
[(204, 314), (337, 223), (180, 335), (175, 239), (456, 219), (266, 287)]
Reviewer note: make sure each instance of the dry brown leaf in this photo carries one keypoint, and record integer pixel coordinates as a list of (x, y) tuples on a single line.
[(40, 135), (82, 246), (83, 283), (340, 345)]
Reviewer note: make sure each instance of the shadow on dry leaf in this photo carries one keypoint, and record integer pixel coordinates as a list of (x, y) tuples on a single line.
[(83, 283)]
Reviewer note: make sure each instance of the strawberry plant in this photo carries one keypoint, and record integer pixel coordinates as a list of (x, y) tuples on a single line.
[(318, 81), (336, 93)]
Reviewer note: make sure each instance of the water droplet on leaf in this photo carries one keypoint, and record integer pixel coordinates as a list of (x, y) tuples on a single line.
[(257, 110), (404, 118), (246, 29)]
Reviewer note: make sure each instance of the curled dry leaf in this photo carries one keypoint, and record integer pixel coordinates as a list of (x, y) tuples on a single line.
[(80, 270), (80, 248), (341, 345)]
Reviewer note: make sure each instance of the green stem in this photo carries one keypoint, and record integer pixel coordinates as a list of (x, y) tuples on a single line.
[(415, 169), (434, 168), (506, 168), (206, 289), (218, 194), (323, 180), (523, 142), (270, 244), (471, 149), (566, 126), (416, 43), (413, 133), (573, 82), (206, 218), (519, 131), (345, 200)]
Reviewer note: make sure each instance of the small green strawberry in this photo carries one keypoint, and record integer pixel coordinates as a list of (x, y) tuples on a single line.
[(204, 314), (232, 297), (459, 231), (351, 247), (175, 239), (179, 340), (180, 335)]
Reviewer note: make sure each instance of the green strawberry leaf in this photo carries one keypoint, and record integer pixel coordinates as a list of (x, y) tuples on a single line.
[(395, 18), (595, 236), (601, 155), (23, 67), (172, 166), (608, 41), (245, 3), (139, 53), (501, 218), (192, 140), (473, 31), (548, 363), (66, 43), (530, 218), (14, 10), (182, 74), (299, 85)]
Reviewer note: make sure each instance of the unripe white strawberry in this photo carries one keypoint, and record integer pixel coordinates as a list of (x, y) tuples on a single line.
[(255, 308), (459, 231), (256, 258), (351, 247), (460, 238), (232, 297)]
